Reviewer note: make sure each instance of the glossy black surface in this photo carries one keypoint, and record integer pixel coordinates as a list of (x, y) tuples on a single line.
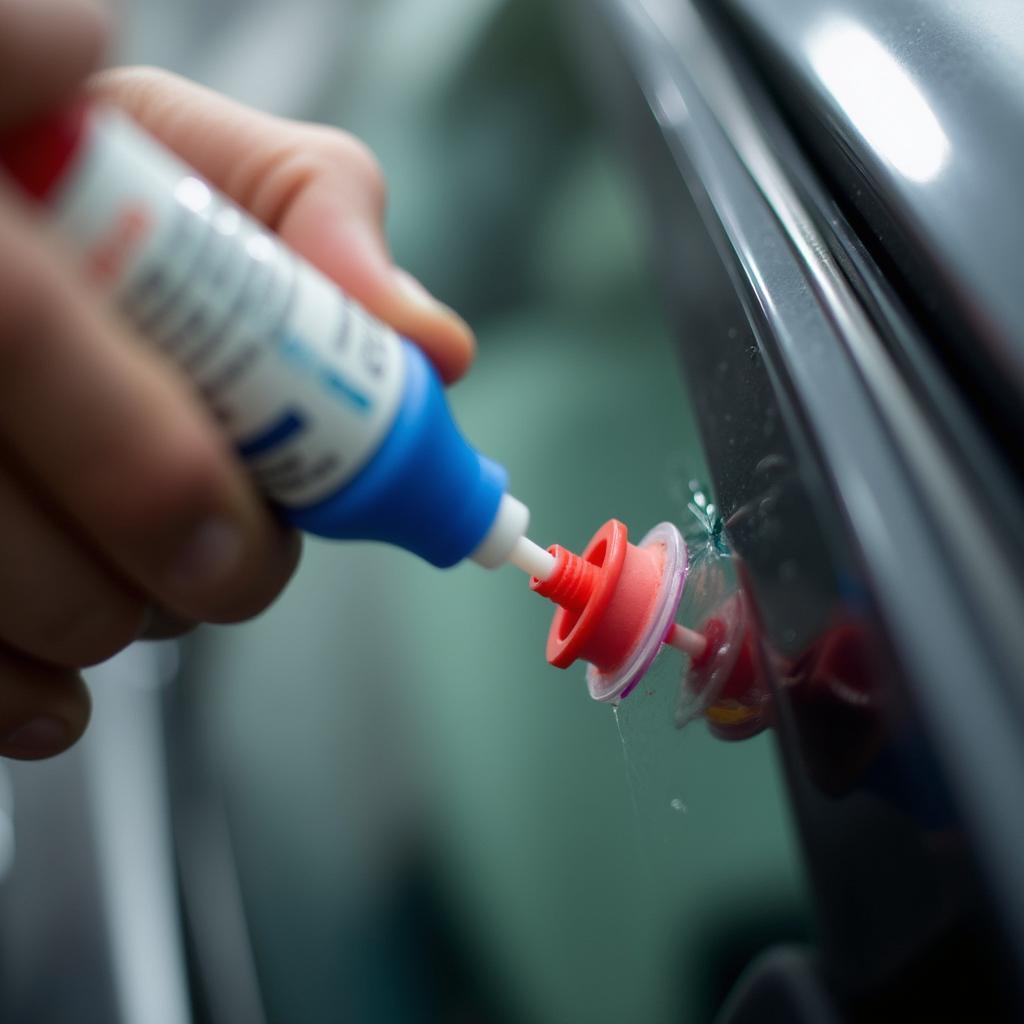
[(886, 587), (916, 111), (781, 987)]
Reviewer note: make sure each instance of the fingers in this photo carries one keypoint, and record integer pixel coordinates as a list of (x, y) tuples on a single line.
[(331, 231), (44, 709), (161, 624), (46, 48), (60, 603), (121, 446), (320, 189)]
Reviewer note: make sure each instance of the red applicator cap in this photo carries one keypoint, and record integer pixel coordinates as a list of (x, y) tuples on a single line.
[(617, 603), (37, 154)]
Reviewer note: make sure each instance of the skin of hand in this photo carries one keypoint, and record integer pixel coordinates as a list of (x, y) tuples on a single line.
[(124, 511)]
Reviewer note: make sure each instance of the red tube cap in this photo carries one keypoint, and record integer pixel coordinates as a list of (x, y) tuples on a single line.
[(36, 155)]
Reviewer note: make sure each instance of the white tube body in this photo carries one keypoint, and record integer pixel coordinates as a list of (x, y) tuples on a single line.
[(303, 380)]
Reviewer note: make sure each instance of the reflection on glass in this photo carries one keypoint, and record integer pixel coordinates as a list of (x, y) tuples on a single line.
[(879, 97)]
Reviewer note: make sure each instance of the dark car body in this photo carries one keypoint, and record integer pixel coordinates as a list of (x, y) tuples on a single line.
[(834, 195)]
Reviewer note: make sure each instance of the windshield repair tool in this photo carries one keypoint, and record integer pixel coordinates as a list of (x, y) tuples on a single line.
[(343, 424), (617, 605)]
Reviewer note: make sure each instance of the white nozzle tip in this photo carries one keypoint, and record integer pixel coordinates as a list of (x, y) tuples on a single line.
[(532, 559), (509, 527)]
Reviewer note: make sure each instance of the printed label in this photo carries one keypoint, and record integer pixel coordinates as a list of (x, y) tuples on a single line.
[(304, 381)]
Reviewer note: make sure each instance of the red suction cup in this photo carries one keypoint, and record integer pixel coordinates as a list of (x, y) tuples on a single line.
[(725, 682), (617, 604)]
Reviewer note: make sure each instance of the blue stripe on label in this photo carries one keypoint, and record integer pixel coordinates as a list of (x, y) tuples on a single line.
[(339, 385), (290, 423), (301, 356)]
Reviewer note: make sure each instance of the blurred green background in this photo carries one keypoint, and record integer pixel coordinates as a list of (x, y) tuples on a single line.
[(432, 824)]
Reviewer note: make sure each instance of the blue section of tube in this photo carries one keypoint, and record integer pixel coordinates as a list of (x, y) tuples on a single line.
[(425, 490)]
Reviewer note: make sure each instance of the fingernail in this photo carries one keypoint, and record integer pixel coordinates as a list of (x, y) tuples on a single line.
[(207, 556), (36, 738)]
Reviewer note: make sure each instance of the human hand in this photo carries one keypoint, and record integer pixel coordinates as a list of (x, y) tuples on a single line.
[(123, 510)]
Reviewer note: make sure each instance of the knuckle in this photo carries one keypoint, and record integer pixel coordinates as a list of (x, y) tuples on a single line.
[(269, 182), (356, 154), (271, 179), (148, 498), (184, 482), (355, 159)]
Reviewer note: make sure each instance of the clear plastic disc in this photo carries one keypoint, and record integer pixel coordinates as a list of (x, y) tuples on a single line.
[(615, 685)]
